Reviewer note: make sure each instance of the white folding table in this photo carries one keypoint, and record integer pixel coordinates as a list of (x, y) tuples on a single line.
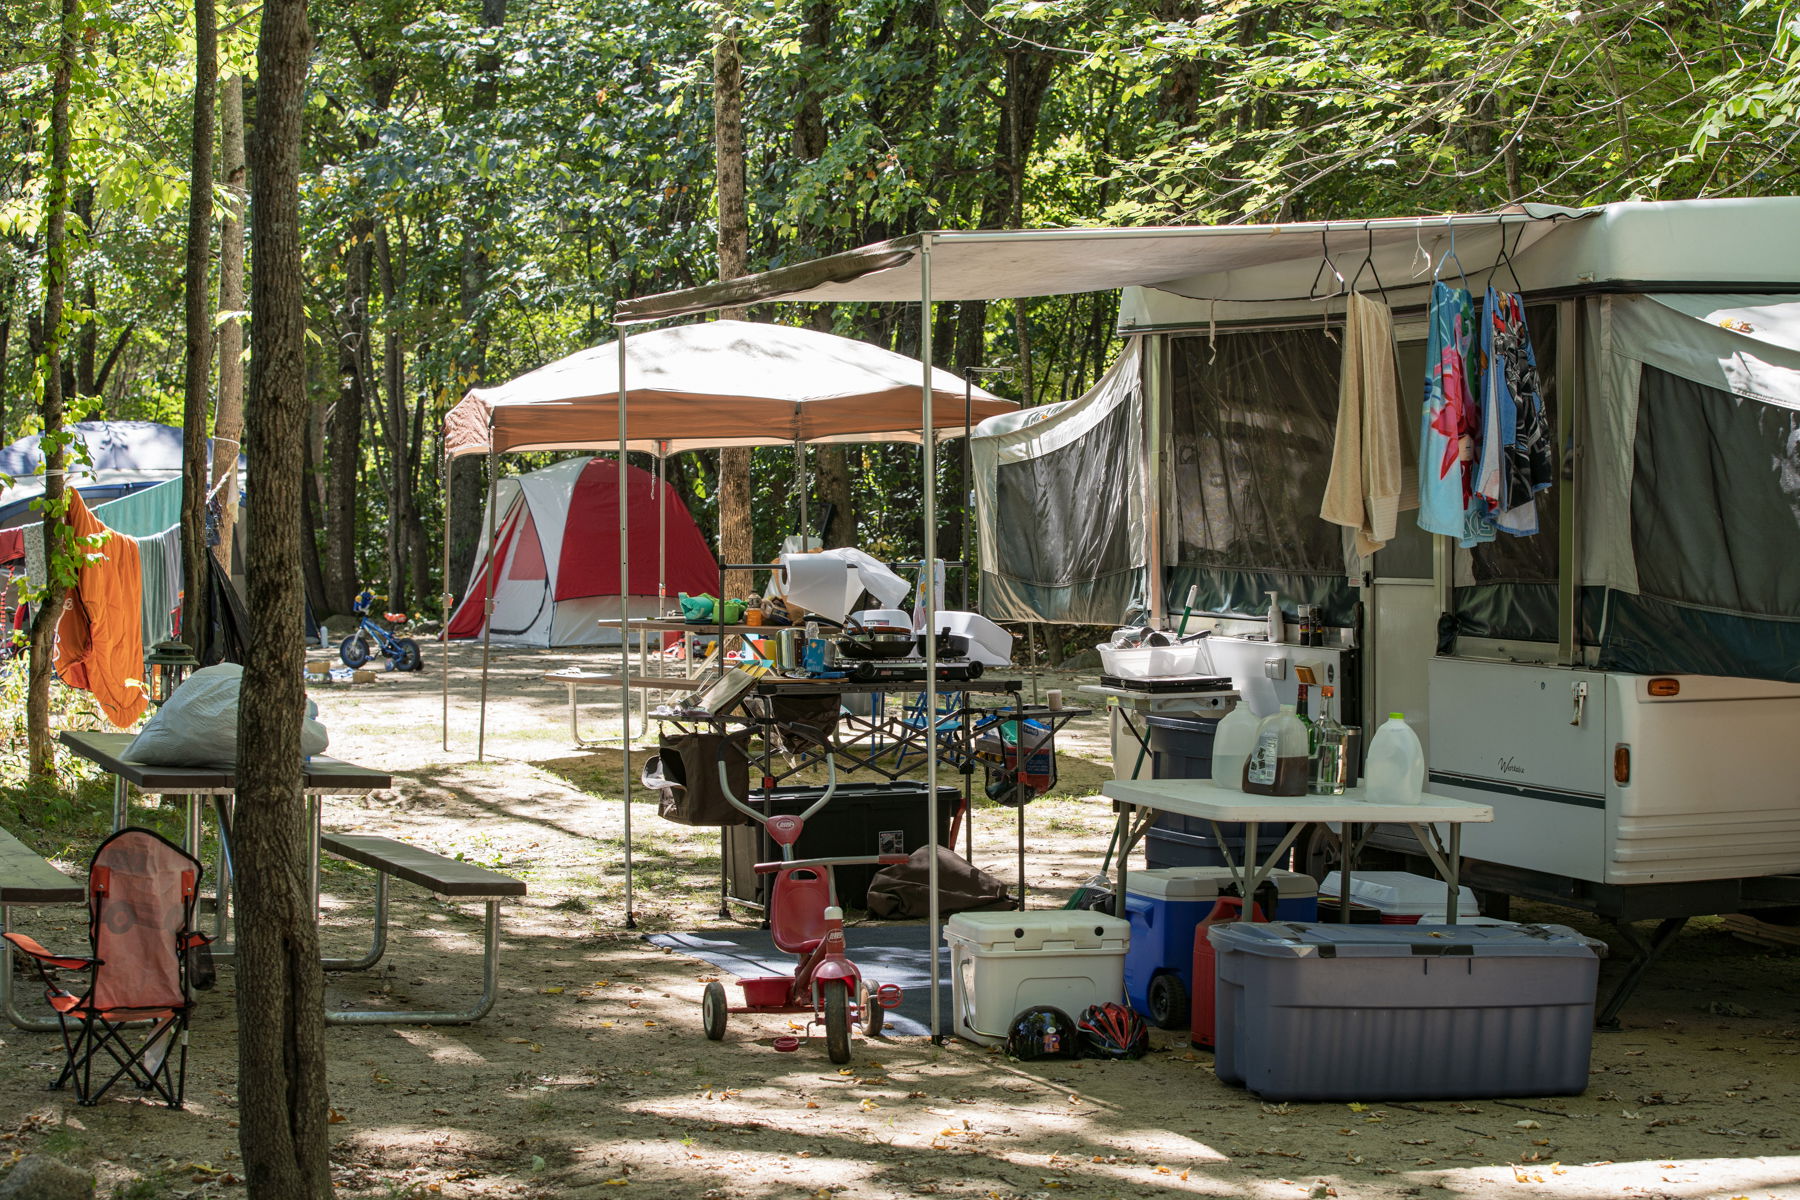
[(1139, 800)]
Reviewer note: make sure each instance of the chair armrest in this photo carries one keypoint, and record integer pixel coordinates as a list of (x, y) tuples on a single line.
[(29, 946)]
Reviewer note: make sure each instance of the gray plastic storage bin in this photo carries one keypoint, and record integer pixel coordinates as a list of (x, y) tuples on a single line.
[(1404, 1012), (1181, 748)]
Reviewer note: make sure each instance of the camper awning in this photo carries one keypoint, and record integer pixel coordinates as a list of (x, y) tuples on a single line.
[(719, 383), (1009, 263)]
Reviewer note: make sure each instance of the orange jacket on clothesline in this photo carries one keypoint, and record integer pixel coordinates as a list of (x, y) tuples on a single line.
[(100, 638)]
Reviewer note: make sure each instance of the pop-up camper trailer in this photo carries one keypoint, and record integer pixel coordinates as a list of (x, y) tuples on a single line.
[(1623, 686)]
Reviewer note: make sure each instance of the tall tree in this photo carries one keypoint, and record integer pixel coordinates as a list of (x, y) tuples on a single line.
[(197, 396), (56, 259), (282, 1111), (228, 415), (465, 472), (736, 527)]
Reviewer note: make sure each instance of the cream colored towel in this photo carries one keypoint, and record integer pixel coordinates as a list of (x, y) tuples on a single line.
[(1369, 486)]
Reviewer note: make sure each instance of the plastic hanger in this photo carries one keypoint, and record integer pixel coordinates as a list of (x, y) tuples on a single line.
[(1368, 264), (1450, 225), (1506, 258)]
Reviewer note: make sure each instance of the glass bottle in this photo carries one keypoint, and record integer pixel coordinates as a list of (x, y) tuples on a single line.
[(1331, 753)]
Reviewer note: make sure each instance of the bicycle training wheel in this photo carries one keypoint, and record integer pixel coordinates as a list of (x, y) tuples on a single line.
[(354, 650)]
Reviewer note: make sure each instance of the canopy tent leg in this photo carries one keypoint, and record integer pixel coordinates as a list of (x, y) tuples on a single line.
[(487, 604), (446, 597), (928, 452), (800, 486), (624, 632), (1150, 387)]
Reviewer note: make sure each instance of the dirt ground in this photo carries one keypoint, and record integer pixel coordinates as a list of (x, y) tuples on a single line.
[(591, 1077)]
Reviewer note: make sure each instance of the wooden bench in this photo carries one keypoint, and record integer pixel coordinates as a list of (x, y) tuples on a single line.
[(575, 677), (447, 877), (25, 878)]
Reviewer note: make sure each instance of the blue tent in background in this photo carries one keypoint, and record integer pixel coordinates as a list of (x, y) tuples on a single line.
[(126, 457)]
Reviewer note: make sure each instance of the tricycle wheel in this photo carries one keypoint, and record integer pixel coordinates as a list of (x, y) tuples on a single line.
[(873, 1015), (354, 650), (712, 1011), (1168, 1000), (836, 994), (408, 658)]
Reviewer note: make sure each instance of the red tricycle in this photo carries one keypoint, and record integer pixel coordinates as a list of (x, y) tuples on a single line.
[(807, 922)]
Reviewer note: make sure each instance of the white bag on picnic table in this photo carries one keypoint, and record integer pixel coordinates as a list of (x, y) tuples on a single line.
[(198, 725)]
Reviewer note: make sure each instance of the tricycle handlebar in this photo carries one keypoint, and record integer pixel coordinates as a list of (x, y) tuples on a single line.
[(865, 860)]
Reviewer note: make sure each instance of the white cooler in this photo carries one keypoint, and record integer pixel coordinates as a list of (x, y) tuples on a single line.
[(1002, 963)]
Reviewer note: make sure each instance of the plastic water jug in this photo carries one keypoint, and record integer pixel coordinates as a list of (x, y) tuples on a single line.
[(1278, 763), (1394, 771), (1233, 740)]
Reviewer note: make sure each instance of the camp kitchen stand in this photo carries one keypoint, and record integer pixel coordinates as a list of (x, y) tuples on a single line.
[(891, 741)]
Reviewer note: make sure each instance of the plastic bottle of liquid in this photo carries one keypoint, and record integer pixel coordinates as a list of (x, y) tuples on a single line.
[(1278, 764), (1394, 769), (1233, 740), (1331, 752), (1274, 618)]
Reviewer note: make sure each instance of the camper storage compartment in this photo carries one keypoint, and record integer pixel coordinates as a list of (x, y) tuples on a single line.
[(1404, 1012), (1164, 907), (1002, 963), (1181, 748), (861, 819)]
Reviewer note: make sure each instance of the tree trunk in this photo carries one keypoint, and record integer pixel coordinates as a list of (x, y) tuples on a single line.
[(468, 490), (736, 528), (39, 756), (228, 417), (198, 377), (87, 344), (344, 436), (282, 1110)]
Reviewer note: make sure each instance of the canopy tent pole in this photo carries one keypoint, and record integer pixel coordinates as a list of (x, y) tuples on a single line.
[(800, 486), (1150, 388), (968, 496), (662, 531), (493, 585), (624, 632), (446, 596), (928, 586)]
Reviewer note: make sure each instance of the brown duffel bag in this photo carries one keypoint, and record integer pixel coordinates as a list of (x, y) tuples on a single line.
[(904, 890)]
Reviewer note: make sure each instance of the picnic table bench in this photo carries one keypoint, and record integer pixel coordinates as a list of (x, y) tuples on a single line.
[(573, 678), (447, 877), (25, 878)]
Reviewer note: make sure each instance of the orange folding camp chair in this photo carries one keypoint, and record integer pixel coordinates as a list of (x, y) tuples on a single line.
[(145, 951)]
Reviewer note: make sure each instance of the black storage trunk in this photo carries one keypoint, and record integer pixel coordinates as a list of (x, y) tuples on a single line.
[(862, 818), (1181, 748)]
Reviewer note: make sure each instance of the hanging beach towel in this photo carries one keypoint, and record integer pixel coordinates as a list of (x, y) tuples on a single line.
[(1450, 422), (1515, 461)]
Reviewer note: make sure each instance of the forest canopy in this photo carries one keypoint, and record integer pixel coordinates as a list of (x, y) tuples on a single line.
[(484, 180)]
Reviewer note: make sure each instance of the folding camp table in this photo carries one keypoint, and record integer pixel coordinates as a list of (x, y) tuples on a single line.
[(1139, 800)]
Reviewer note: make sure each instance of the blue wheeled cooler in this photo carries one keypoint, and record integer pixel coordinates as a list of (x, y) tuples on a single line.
[(1164, 907)]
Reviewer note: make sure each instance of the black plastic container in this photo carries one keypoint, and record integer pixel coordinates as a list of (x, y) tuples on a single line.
[(1181, 748), (862, 818)]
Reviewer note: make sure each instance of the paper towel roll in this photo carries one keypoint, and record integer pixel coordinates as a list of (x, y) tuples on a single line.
[(822, 582)]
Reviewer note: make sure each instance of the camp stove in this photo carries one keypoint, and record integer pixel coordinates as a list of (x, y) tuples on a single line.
[(826, 658)]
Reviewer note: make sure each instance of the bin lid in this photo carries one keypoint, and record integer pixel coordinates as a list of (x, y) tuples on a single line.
[(1292, 939), (1033, 930), (1204, 883), (1400, 892)]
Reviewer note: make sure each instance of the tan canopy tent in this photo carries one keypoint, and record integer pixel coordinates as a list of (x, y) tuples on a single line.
[(718, 383), (701, 386)]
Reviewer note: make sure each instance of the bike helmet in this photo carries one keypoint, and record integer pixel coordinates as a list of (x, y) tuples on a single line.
[(1043, 1032), (1114, 1031)]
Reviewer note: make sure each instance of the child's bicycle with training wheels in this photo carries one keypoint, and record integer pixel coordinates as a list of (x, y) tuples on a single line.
[(807, 922), (402, 653)]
